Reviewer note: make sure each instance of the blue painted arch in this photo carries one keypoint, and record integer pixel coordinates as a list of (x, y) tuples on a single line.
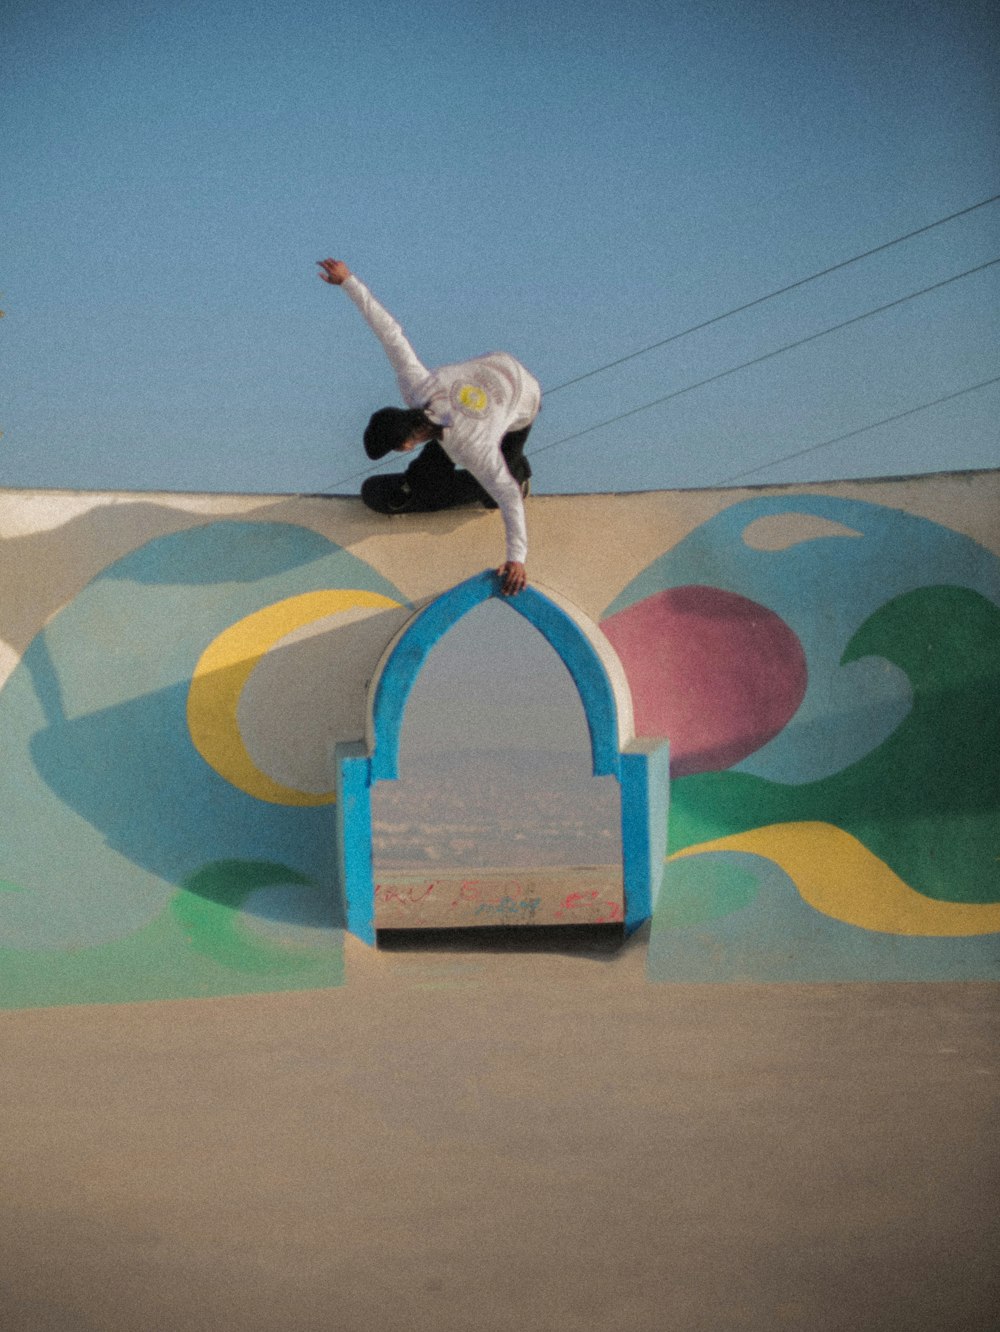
[(641, 767), (406, 657)]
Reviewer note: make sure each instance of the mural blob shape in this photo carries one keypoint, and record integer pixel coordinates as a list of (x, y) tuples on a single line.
[(109, 808), (731, 916), (718, 674), (826, 865), (925, 801), (224, 669), (797, 553), (208, 910)]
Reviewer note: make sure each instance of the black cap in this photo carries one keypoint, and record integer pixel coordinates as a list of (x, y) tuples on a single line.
[(388, 429)]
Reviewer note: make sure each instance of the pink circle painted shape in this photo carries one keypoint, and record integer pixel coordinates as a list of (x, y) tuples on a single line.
[(715, 673)]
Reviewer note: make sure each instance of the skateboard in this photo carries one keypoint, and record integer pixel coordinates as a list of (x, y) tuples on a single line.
[(392, 493)]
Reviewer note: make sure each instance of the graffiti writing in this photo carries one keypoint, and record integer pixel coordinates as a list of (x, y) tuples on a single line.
[(493, 899), (508, 908), (404, 894), (485, 892), (584, 904)]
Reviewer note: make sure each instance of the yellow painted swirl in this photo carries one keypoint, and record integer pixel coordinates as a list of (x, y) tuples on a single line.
[(223, 670), (837, 875)]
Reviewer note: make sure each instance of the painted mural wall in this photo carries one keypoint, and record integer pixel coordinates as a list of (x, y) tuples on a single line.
[(175, 672)]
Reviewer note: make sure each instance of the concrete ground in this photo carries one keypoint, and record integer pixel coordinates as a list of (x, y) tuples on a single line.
[(529, 1136)]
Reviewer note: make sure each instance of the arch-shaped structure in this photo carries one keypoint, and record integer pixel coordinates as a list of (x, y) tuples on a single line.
[(641, 767)]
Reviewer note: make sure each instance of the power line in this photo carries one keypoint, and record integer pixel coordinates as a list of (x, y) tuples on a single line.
[(757, 360), (367, 471), (780, 291), (838, 439), (707, 323)]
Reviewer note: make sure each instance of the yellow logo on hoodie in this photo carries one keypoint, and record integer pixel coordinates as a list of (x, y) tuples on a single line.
[(472, 400)]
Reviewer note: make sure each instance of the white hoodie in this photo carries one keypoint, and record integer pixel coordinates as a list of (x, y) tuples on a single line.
[(476, 402)]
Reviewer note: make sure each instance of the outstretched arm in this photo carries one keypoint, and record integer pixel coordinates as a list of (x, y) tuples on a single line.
[(410, 371), (495, 477)]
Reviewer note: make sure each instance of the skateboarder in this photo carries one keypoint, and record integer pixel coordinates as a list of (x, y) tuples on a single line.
[(477, 413)]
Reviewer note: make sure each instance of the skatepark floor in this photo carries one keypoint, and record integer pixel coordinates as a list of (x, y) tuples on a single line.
[(494, 1133)]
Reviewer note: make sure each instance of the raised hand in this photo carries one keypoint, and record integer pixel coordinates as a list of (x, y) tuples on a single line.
[(334, 271)]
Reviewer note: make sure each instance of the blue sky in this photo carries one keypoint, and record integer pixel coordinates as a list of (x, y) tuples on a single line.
[(568, 182)]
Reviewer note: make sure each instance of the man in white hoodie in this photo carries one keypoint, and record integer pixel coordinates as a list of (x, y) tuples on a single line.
[(476, 413)]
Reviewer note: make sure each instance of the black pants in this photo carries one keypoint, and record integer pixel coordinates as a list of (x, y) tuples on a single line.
[(436, 483)]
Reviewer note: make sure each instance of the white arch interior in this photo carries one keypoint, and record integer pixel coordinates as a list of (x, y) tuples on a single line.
[(495, 767)]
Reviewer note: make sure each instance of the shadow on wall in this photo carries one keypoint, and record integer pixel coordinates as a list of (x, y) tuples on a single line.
[(51, 565), (98, 708), (132, 771), (132, 869), (112, 815)]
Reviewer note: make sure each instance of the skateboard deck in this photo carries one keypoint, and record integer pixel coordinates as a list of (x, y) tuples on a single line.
[(388, 493), (391, 493)]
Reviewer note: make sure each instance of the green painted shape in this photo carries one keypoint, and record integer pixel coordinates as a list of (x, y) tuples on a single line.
[(926, 800), (155, 963), (207, 908), (703, 888), (7, 887)]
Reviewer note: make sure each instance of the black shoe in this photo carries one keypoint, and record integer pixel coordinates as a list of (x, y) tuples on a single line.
[(400, 499), (388, 494)]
